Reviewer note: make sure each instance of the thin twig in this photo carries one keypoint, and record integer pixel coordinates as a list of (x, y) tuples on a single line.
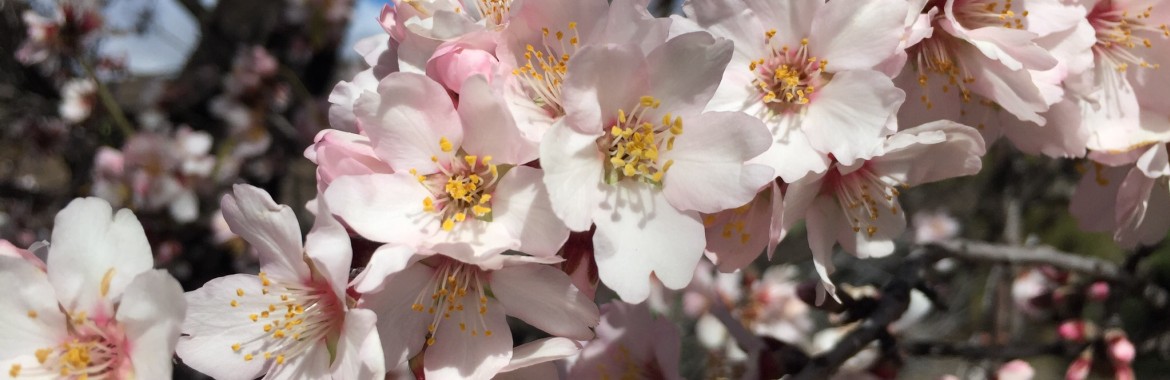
[(109, 103), (1039, 255)]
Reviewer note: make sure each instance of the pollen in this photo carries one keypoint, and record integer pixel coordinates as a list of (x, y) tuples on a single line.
[(32, 314), (445, 145), (634, 144), (106, 279)]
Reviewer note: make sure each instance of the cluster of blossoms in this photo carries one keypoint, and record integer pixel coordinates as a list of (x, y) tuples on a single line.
[(510, 158)]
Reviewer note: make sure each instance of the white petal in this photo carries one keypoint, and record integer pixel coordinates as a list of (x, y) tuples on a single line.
[(543, 297), (386, 208), (30, 315), (960, 153), (329, 247), (709, 174), (488, 125), (388, 259), (270, 228), (601, 80), (573, 168), (151, 313), (857, 34), (824, 221), (359, 350), (542, 351), (401, 329), (212, 326), (847, 117), (639, 233), (459, 355), (89, 240), (522, 205), (687, 69), (406, 119)]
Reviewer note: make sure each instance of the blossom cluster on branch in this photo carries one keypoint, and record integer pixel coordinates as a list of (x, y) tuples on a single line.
[(527, 159)]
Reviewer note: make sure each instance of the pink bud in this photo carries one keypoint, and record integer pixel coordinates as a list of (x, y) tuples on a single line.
[(1099, 291), (1121, 350), (338, 153), (1079, 369), (1072, 330), (453, 63), (1015, 370)]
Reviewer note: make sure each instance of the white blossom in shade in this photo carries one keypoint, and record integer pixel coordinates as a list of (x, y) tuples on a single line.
[(933, 227), (736, 237), (775, 310), (1126, 193), (636, 156), (452, 312), (77, 100), (446, 193), (857, 205), (631, 343), (806, 68), (294, 320), (97, 311)]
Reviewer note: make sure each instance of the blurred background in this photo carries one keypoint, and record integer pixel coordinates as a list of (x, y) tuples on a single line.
[(160, 105)]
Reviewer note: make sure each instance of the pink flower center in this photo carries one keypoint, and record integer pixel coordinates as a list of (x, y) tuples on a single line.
[(974, 14), (863, 197), (450, 287), (787, 77), (544, 70), (1119, 33), (462, 188), (293, 317), (493, 12), (633, 144), (94, 350)]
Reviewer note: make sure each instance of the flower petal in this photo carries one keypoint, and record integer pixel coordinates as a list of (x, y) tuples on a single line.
[(522, 205), (459, 355), (857, 34), (542, 351), (573, 169), (489, 128), (601, 80), (272, 229), (151, 313), (847, 117), (328, 246), (359, 350), (386, 208), (406, 119), (29, 312), (709, 174), (926, 160), (543, 297), (687, 69), (401, 329), (90, 242), (212, 326)]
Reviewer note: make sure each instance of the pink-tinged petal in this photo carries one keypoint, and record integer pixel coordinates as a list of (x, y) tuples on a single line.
[(459, 355), (9, 250), (532, 15), (212, 326), (601, 80), (847, 117), (791, 155), (1014, 90), (339, 154), (532, 119), (792, 20), (1014, 48), (932, 152), (489, 128), (1065, 135), (736, 237), (1154, 162), (271, 229), (31, 317), (328, 246), (730, 19), (629, 335), (455, 61), (1095, 198), (629, 22), (406, 119), (573, 168), (779, 227), (90, 242), (543, 297), (639, 233), (521, 204), (1141, 205), (824, 222), (1111, 109), (359, 350), (798, 197), (474, 240), (386, 260), (151, 313), (313, 363), (687, 70), (708, 172), (402, 330), (857, 34), (543, 351), (386, 208), (545, 370)]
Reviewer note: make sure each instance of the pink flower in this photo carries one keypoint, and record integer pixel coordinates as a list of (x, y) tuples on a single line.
[(157, 171), (636, 156), (805, 68), (294, 320), (440, 304), (338, 153), (1015, 370), (934, 227), (857, 205), (98, 310), (453, 62), (736, 237), (778, 311), (447, 192), (78, 97), (631, 343)]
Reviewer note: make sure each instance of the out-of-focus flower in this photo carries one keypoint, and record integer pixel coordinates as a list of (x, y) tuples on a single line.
[(78, 97), (446, 193), (295, 319), (1015, 370), (933, 227), (1129, 199), (1076, 330), (1032, 292), (156, 171), (67, 31), (622, 160), (631, 343), (775, 310), (9, 250), (1121, 350), (455, 311), (1079, 368), (857, 205), (97, 310)]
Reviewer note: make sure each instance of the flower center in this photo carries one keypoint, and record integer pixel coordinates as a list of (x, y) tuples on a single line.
[(787, 78), (293, 316), (91, 352), (450, 286), (633, 144), (461, 188), (495, 12), (734, 221), (864, 197), (544, 70), (974, 14), (1116, 37)]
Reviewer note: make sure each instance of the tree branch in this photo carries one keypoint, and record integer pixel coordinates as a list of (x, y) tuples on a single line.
[(1040, 255), (974, 351)]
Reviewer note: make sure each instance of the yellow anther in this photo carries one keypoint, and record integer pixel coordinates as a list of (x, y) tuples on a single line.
[(106, 279), (267, 356), (279, 359), (445, 145), (484, 198), (235, 303), (239, 292), (236, 347), (428, 204), (621, 118), (448, 224), (32, 314), (254, 317), (471, 160), (267, 327), (248, 357), (430, 341), (15, 370), (572, 25), (480, 210), (459, 217)]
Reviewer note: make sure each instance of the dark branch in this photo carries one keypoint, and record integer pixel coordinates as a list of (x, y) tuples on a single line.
[(974, 351), (1040, 255)]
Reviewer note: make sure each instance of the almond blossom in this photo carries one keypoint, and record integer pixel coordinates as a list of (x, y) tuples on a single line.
[(857, 205), (444, 193), (455, 310), (294, 319), (97, 311), (156, 171), (805, 67), (631, 343), (635, 156), (1129, 199)]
